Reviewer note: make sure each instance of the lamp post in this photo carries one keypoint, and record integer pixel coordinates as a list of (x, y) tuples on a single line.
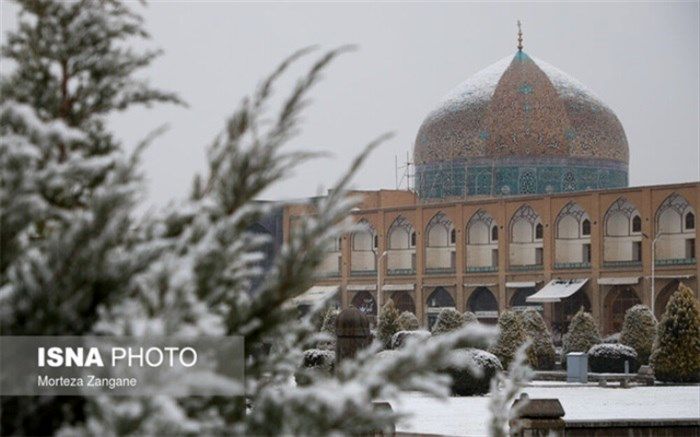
[(379, 286), (653, 271)]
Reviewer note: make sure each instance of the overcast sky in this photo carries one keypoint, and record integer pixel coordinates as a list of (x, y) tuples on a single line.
[(640, 58)]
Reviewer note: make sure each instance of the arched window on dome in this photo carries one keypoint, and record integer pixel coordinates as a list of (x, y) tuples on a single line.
[(568, 182), (528, 182), (676, 240), (482, 243)]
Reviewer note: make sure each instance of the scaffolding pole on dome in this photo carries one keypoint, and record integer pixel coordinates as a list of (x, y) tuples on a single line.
[(405, 170)]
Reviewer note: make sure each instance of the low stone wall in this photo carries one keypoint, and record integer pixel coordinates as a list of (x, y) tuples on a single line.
[(633, 428)]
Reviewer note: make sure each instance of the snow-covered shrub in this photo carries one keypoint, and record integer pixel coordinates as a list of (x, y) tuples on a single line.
[(329, 319), (613, 338), (470, 317), (388, 323), (676, 356), (511, 336), (400, 338), (448, 320), (610, 358), (319, 361), (408, 321), (541, 353), (638, 331), (473, 375), (583, 334)]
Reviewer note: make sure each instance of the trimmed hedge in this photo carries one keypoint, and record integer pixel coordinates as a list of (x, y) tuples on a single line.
[(638, 331), (319, 361), (541, 353), (400, 338), (464, 380), (470, 317), (448, 320), (388, 323), (676, 356), (408, 321), (511, 335), (582, 336), (610, 358)]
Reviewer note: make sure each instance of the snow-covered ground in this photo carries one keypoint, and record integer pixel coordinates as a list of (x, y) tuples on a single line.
[(466, 416)]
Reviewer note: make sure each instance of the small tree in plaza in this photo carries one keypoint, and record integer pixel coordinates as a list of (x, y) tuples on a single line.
[(470, 317), (638, 331), (448, 320), (510, 337), (329, 321), (583, 334), (542, 352), (676, 352), (388, 323), (408, 322)]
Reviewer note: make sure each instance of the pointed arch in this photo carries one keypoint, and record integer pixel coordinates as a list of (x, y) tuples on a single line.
[(572, 241), (622, 242), (363, 248), (365, 302), (438, 231), (482, 242), (403, 301), (675, 224), (437, 300), (483, 303), (400, 234), (526, 234), (401, 247), (439, 245)]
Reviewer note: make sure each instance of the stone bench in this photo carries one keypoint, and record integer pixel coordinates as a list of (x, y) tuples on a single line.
[(622, 378)]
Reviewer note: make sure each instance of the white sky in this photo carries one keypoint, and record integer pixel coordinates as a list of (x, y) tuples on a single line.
[(640, 58)]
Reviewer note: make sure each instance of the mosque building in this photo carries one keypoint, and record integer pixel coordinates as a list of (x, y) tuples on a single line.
[(521, 199)]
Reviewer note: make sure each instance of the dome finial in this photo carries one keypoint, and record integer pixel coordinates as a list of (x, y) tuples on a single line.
[(520, 37)]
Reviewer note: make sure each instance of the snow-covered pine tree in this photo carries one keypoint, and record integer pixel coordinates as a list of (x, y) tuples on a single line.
[(68, 190), (470, 317), (408, 322), (329, 321), (638, 331), (676, 356), (388, 323), (541, 352), (448, 320), (202, 285), (582, 335), (511, 336)]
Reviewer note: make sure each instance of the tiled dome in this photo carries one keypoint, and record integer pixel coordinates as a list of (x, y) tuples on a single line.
[(520, 113)]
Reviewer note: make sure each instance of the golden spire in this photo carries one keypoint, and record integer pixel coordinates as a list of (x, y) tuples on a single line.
[(520, 37)]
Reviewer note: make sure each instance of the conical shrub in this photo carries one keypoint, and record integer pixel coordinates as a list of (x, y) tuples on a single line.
[(408, 322), (638, 332), (448, 320), (511, 336), (541, 352), (676, 356), (583, 334), (388, 323)]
